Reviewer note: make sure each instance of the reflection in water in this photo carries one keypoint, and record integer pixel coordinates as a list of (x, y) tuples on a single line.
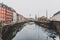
[(11, 33), (30, 31)]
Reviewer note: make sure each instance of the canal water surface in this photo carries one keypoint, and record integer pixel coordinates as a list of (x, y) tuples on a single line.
[(31, 31)]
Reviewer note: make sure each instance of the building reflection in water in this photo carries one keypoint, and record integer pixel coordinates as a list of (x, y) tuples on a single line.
[(11, 32), (39, 33)]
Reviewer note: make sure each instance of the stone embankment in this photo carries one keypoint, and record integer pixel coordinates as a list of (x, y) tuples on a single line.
[(54, 25)]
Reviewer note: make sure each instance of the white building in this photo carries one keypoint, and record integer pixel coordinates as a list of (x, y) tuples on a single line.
[(56, 17), (21, 18), (14, 17)]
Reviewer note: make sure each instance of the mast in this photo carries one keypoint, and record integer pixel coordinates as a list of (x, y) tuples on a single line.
[(30, 15), (35, 17), (46, 13)]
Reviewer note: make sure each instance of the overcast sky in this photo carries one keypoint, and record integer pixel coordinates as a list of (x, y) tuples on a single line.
[(38, 7)]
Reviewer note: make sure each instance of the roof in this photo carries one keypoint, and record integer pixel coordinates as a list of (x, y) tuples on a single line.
[(56, 13), (7, 7)]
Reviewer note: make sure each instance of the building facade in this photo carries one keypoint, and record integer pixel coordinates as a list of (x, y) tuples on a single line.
[(14, 17), (6, 13), (21, 18), (43, 18), (56, 16)]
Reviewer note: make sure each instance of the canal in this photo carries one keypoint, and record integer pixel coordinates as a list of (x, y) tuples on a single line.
[(31, 31)]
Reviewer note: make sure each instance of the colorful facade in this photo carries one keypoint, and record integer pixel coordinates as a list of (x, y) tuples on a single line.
[(6, 13)]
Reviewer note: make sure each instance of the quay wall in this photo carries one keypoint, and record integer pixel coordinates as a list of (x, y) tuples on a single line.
[(54, 25), (57, 25), (8, 28), (46, 25), (0, 31)]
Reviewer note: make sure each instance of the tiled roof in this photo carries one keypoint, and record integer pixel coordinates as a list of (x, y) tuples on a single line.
[(56, 13)]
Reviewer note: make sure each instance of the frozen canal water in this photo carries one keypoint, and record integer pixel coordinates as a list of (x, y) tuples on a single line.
[(32, 31)]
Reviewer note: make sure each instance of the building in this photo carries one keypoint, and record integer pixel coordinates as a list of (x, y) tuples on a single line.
[(6, 13), (56, 16), (43, 18), (21, 18), (56, 21), (14, 17)]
